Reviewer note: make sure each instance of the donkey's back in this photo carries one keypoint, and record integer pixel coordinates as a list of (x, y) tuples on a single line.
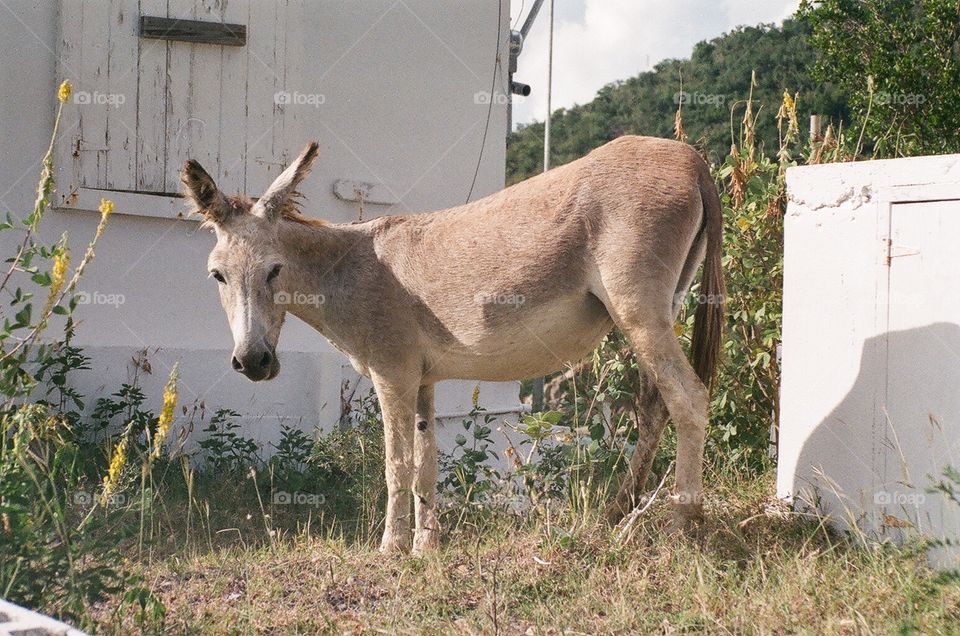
[(519, 283)]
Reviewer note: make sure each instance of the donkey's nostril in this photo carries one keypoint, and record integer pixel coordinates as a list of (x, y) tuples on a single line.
[(265, 360), (237, 365)]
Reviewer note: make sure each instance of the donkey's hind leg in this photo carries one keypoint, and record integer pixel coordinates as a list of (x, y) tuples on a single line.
[(651, 414), (651, 335)]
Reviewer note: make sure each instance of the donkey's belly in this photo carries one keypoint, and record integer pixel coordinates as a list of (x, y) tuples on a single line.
[(532, 342)]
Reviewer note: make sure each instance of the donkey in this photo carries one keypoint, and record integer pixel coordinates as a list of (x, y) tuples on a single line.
[(612, 239)]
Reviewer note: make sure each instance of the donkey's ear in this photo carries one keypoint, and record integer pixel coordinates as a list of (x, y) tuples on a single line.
[(271, 204), (203, 191)]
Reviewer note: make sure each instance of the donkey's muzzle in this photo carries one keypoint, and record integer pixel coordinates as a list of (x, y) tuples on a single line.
[(261, 364)]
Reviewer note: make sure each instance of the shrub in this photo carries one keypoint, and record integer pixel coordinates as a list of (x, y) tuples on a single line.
[(61, 533)]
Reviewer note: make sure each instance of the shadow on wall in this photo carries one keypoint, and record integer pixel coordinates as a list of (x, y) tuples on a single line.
[(870, 464)]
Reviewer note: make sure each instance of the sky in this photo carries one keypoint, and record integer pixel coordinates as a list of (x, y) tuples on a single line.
[(598, 41)]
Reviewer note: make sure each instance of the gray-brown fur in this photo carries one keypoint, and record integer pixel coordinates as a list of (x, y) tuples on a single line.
[(514, 285)]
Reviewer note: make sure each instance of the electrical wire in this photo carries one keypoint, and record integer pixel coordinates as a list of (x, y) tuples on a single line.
[(493, 88)]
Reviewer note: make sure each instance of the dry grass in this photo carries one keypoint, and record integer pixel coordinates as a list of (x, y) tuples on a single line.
[(755, 568)]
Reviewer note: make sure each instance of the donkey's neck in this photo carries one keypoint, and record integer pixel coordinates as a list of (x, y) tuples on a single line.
[(313, 248), (320, 277)]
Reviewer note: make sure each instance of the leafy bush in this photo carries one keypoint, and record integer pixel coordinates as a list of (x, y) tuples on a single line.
[(60, 539), (467, 476), (898, 61), (224, 450)]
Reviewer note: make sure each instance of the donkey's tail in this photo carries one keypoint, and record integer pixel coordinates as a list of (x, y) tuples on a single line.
[(709, 317)]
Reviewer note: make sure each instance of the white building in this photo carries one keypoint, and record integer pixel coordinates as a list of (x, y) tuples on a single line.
[(870, 398), (397, 92)]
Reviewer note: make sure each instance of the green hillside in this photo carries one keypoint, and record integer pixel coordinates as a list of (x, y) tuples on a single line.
[(716, 78)]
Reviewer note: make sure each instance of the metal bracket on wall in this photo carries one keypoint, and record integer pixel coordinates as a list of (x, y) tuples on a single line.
[(374, 193)]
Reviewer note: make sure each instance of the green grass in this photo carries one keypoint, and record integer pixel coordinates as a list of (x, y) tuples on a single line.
[(755, 567)]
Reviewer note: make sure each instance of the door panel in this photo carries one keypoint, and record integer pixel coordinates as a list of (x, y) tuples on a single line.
[(922, 400), (151, 105), (146, 105)]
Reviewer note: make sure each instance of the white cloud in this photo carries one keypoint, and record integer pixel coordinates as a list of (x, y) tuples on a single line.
[(610, 40)]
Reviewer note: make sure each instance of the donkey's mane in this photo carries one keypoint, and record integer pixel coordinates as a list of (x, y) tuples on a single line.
[(295, 216), (242, 203)]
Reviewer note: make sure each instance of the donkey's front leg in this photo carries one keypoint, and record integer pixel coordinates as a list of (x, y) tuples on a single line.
[(427, 536), (397, 404)]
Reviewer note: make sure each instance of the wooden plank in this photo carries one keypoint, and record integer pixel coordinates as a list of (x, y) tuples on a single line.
[(206, 100), (151, 107), (264, 163), (181, 128), (69, 64), (194, 31), (92, 93), (193, 119), (232, 143), (122, 83), (161, 206), (296, 117)]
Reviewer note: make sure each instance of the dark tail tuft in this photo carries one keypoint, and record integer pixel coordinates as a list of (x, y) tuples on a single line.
[(709, 316)]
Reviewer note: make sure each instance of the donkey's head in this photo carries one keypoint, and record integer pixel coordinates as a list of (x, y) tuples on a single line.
[(248, 262)]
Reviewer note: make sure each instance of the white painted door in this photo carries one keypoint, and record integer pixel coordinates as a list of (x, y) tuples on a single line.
[(145, 105), (922, 398)]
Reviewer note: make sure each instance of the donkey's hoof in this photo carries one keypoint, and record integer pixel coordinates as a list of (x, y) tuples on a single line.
[(395, 543), (426, 540)]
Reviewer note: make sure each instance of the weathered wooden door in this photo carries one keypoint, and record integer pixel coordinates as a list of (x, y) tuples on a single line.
[(144, 104), (921, 402)]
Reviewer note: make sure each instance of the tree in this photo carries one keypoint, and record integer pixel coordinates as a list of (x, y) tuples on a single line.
[(898, 61), (716, 80)]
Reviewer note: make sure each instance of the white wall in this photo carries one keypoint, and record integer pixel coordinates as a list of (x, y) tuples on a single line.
[(398, 81), (870, 412)]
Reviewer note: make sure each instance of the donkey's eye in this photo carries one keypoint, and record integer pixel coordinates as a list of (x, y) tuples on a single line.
[(217, 276), (274, 272)]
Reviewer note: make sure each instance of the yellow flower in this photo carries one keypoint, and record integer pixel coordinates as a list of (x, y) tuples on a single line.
[(788, 101), (743, 224), (117, 462), (166, 412), (475, 399), (63, 93), (106, 209), (678, 329), (788, 111), (59, 274)]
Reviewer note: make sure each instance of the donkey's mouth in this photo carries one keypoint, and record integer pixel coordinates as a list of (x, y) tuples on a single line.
[(266, 374), (260, 373), (274, 368)]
